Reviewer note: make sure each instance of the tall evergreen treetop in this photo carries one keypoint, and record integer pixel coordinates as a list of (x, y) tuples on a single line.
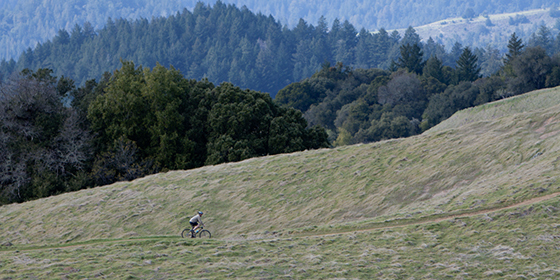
[(515, 46), (467, 66), (411, 37), (434, 68), (411, 58)]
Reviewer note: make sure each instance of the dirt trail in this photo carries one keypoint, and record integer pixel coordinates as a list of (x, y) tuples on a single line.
[(450, 217), (381, 227)]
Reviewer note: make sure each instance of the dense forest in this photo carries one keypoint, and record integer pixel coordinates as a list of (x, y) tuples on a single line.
[(24, 23), (221, 43), (56, 138), (225, 43), (365, 105)]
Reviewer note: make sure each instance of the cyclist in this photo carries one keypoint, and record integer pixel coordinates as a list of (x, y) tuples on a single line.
[(196, 222)]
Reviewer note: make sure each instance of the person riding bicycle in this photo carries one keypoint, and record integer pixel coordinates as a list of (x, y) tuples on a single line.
[(196, 222)]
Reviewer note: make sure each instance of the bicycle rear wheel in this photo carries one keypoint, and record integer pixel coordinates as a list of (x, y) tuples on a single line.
[(186, 233), (204, 234)]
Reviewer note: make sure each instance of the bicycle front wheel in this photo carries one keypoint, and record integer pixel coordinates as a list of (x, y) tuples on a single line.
[(204, 234), (186, 233)]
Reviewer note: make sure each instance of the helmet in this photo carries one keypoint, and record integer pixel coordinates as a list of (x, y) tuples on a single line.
[(200, 212)]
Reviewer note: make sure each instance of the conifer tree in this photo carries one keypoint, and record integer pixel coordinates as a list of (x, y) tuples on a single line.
[(434, 68), (453, 55), (411, 58), (467, 66), (515, 46)]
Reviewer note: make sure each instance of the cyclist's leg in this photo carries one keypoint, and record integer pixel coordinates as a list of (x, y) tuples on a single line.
[(193, 228)]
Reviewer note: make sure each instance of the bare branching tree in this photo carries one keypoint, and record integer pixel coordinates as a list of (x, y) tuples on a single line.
[(38, 136)]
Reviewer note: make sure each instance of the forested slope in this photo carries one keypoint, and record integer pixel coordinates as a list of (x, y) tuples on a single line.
[(221, 43), (226, 43), (364, 105), (26, 23)]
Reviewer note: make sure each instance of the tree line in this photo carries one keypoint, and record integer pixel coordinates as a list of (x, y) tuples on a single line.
[(56, 137), (226, 43), (23, 23), (365, 105)]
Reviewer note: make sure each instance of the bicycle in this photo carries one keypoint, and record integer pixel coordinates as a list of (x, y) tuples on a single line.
[(200, 232)]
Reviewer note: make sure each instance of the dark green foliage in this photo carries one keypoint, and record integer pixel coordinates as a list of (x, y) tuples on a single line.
[(403, 88), (388, 126), (462, 95), (491, 88), (25, 22), (151, 120), (553, 79), (467, 66), (515, 46), (287, 132), (239, 124), (434, 69), (220, 43), (432, 86), (439, 108), (451, 59), (364, 105), (411, 58), (530, 70), (144, 121), (353, 116), (298, 95), (544, 39)]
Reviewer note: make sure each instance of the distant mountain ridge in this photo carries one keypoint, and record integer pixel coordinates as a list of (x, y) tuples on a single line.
[(24, 23), (489, 30)]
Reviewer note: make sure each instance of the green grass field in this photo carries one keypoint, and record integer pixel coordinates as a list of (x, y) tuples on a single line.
[(383, 210)]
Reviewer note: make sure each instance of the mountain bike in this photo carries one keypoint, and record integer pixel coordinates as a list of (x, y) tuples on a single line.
[(200, 233)]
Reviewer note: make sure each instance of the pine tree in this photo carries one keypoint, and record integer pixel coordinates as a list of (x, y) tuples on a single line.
[(411, 58), (434, 68), (454, 54), (515, 46), (382, 46), (544, 39), (467, 66), (411, 37)]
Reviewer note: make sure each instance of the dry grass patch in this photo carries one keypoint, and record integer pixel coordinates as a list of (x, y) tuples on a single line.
[(513, 243)]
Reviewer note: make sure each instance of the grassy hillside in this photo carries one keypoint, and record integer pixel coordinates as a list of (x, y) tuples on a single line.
[(270, 215), (516, 244)]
